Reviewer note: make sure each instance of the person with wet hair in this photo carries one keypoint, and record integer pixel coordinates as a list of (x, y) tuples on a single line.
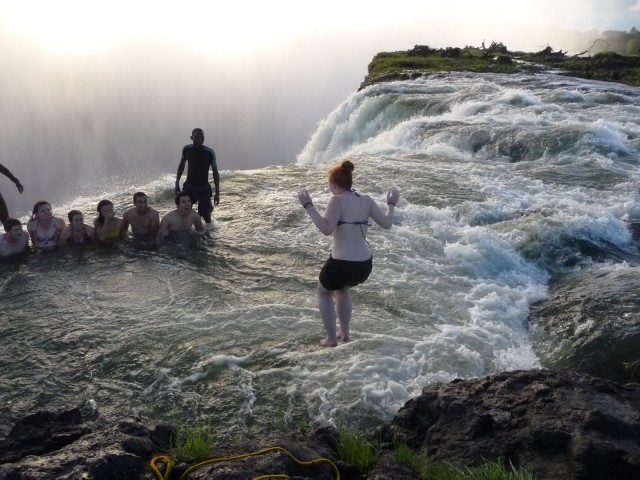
[(144, 220), (44, 228), (346, 218), (181, 220), (108, 226), (15, 240), (77, 232), (4, 211)]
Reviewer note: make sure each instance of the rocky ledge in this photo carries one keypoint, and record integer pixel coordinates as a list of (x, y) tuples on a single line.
[(560, 426)]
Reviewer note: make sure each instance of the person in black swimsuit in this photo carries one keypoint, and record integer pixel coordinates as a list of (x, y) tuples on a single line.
[(77, 232), (199, 159), (4, 211), (347, 219)]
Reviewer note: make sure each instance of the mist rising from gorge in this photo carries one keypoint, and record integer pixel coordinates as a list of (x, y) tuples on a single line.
[(72, 122)]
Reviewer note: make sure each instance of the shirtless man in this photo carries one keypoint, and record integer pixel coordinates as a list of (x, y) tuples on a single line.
[(144, 220), (15, 240), (182, 219)]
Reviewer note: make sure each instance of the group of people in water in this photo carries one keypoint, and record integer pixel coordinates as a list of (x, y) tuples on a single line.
[(45, 231), (346, 218)]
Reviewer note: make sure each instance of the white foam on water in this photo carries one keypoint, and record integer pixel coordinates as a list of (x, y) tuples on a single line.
[(231, 325)]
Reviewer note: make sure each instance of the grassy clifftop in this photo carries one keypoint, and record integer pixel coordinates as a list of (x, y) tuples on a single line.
[(607, 66)]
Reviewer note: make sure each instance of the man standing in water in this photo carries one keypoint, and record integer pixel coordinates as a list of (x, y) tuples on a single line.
[(199, 159), (144, 220), (4, 211)]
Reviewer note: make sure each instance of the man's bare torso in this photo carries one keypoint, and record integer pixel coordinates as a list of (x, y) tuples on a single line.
[(141, 223), (176, 223)]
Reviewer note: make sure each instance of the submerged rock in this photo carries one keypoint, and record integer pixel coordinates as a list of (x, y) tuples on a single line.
[(591, 323)]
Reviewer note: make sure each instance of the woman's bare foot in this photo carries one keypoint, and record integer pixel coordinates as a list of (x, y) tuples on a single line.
[(344, 338), (326, 343)]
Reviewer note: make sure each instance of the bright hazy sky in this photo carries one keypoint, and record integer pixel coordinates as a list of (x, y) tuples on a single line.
[(235, 26), (134, 76)]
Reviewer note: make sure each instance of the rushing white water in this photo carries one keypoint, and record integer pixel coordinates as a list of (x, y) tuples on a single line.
[(504, 180)]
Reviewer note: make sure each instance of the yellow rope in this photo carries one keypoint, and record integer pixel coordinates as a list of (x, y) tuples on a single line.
[(155, 470), (169, 464)]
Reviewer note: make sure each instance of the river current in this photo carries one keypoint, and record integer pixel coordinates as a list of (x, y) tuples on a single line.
[(509, 184)]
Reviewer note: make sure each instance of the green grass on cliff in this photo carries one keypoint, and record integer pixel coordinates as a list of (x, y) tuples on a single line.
[(398, 62), (605, 66), (426, 469), (193, 443), (356, 450)]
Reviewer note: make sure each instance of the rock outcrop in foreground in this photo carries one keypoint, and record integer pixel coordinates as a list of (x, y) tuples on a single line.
[(560, 426)]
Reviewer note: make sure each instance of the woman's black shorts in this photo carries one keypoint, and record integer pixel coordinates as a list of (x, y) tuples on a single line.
[(338, 274)]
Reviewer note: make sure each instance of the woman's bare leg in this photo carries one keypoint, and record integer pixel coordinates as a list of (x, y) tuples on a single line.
[(344, 307), (328, 315)]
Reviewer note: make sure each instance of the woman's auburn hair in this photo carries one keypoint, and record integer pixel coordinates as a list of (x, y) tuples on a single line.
[(341, 174)]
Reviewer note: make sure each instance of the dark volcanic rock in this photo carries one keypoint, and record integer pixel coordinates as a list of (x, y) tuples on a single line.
[(560, 426), (271, 462), (42, 432), (389, 77), (79, 443), (390, 468)]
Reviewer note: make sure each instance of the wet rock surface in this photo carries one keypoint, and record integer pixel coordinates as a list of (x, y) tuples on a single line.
[(591, 323), (560, 426), (77, 444)]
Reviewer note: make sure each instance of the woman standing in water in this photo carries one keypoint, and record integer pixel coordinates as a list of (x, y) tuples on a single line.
[(346, 218), (43, 227)]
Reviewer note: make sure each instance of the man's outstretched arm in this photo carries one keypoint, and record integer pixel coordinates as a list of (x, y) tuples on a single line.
[(5, 171)]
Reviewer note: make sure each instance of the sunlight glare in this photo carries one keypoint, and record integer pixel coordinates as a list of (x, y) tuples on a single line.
[(248, 26), (211, 27)]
